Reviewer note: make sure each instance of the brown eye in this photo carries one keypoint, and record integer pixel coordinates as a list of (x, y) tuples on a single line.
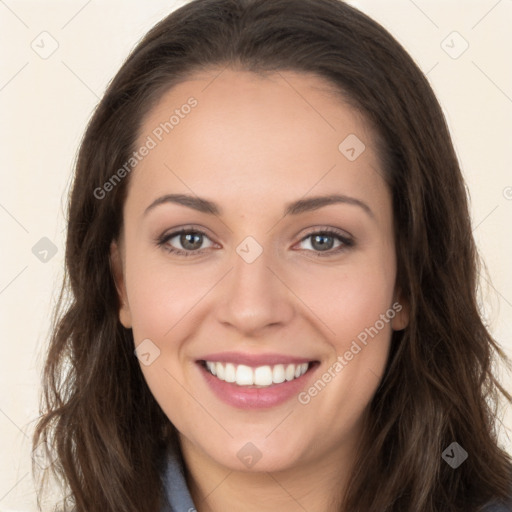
[(191, 241)]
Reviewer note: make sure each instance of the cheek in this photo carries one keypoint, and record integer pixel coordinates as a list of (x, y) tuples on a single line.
[(160, 298), (350, 299), (345, 299), (356, 309), (160, 295)]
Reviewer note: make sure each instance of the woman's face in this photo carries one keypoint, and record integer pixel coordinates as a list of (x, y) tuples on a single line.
[(257, 288)]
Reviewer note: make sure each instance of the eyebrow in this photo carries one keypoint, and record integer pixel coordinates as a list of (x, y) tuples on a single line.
[(294, 208)]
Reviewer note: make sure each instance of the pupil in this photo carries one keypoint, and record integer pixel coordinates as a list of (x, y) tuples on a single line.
[(186, 243), (322, 245)]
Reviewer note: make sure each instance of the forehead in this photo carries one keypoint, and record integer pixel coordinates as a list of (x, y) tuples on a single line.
[(286, 133)]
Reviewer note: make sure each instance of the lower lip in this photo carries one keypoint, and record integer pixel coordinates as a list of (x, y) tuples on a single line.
[(246, 397)]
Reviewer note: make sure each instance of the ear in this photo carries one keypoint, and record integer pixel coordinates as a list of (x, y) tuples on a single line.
[(116, 266), (401, 308)]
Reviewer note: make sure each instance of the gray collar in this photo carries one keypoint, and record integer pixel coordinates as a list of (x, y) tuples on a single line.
[(177, 495)]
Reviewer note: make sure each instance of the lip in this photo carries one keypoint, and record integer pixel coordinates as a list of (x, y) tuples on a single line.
[(249, 397), (253, 360)]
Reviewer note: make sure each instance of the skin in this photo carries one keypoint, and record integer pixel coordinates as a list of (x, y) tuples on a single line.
[(252, 145)]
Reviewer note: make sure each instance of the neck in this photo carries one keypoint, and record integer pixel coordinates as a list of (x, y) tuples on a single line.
[(315, 485)]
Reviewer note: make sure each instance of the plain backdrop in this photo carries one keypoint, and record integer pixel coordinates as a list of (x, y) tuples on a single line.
[(56, 60)]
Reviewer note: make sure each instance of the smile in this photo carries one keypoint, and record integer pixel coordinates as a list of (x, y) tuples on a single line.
[(260, 376)]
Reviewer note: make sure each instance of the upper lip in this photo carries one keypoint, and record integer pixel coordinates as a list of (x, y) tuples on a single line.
[(254, 360)]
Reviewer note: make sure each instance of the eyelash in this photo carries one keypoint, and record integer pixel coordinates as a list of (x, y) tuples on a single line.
[(347, 242)]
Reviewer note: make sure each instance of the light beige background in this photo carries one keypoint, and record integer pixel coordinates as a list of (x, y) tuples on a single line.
[(45, 104)]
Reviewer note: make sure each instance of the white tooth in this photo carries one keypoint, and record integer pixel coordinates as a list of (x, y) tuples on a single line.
[(290, 372), (211, 367), (244, 375), (219, 367), (263, 376), (278, 374), (230, 373)]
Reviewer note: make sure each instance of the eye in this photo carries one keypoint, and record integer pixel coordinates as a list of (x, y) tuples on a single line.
[(189, 239), (324, 240)]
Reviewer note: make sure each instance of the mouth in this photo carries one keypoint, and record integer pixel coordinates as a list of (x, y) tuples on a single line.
[(256, 381), (257, 377)]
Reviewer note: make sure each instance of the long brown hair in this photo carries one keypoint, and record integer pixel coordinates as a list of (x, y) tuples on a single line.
[(99, 418)]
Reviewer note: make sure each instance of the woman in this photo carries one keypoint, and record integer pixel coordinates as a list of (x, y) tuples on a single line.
[(272, 277)]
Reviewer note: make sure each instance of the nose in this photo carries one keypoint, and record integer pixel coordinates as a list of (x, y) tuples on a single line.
[(254, 296)]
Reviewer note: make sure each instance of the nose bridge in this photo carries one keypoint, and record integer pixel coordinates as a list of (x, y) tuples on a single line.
[(253, 296)]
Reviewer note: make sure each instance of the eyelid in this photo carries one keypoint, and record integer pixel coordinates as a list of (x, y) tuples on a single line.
[(328, 229), (169, 233)]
